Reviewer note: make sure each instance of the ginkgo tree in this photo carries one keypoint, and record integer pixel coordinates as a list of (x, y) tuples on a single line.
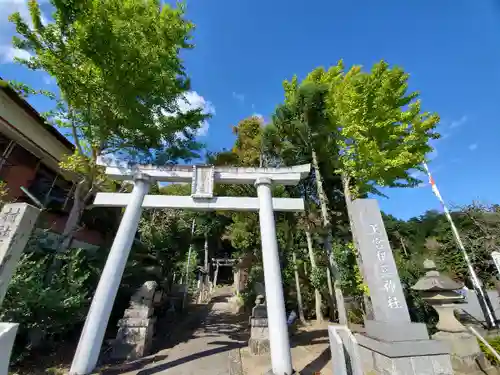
[(121, 83), (364, 127), (381, 132)]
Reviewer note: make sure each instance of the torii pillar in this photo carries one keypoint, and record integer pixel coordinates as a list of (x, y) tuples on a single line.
[(202, 179)]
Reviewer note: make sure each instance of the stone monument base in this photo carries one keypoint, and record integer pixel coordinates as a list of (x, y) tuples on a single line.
[(403, 357), (466, 355), (402, 349)]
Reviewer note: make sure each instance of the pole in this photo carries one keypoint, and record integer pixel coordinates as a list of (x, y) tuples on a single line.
[(281, 360), (187, 264), (486, 343), (475, 280), (89, 346)]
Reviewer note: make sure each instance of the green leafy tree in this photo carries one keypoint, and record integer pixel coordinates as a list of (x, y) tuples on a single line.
[(298, 132), (120, 77), (381, 133)]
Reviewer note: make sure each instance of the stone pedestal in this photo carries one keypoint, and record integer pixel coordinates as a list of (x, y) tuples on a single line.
[(259, 328), (136, 329), (440, 292), (466, 355), (134, 338), (402, 349), (259, 336)]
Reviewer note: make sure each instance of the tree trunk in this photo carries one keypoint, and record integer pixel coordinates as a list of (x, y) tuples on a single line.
[(317, 293), (69, 229), (73, 218), (206, 252), (299, 294), (359, 261), (339, 297)]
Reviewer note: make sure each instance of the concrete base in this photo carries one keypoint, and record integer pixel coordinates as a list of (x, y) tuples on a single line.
[(259, 346), (404, 357), (8, 333), (466, 355)]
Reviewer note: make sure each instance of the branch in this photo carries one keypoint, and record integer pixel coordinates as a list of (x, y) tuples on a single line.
[(75, 136)]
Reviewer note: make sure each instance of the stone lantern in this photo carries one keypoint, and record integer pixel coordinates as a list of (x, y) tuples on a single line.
[(440, 292)]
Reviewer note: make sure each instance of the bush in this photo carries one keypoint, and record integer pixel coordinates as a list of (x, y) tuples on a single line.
[(46, 309), (495, 343)]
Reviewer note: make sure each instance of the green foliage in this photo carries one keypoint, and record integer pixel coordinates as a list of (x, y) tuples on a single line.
[(495, 343), (351, 279), (118, 69), (121, 84), (429, 236), (381, 132), (51, 310), (318, 278), (355, 316)]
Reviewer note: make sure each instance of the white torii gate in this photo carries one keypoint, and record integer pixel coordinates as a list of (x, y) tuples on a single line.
[(202, 179)]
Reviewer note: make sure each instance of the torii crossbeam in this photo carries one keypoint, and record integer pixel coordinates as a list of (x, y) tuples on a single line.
[(202, 179)]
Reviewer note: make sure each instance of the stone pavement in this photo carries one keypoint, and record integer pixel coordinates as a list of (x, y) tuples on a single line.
[(207, 350), (215, 343)]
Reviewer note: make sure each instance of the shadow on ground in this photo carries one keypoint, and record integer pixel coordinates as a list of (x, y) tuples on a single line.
[(228, 345), (197, 320), (305, 338), (315, 366)]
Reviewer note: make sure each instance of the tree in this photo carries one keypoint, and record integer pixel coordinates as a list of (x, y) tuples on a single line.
[(297, 132), (121, 83), (381, 134)]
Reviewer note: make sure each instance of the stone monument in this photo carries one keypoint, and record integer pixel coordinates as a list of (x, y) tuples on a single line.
[(17, 221), (136, 329), (259, 329), (440, 292), (392, 343)]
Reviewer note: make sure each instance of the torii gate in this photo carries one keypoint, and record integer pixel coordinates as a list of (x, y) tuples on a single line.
[(221, 262), (202, 179)]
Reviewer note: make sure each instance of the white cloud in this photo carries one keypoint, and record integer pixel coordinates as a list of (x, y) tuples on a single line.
[(193, 100), (239, 97), (259, 116), (456, 123), (7, 29), (472, 146), (8, 53)]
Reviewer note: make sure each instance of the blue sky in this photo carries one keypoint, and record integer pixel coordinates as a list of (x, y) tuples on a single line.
[(246, 48)]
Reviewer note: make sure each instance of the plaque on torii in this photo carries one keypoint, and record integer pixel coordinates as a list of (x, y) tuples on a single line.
[(202, 186)]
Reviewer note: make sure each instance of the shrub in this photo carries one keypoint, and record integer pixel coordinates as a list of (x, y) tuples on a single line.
[(44, 309), (495, 343)]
